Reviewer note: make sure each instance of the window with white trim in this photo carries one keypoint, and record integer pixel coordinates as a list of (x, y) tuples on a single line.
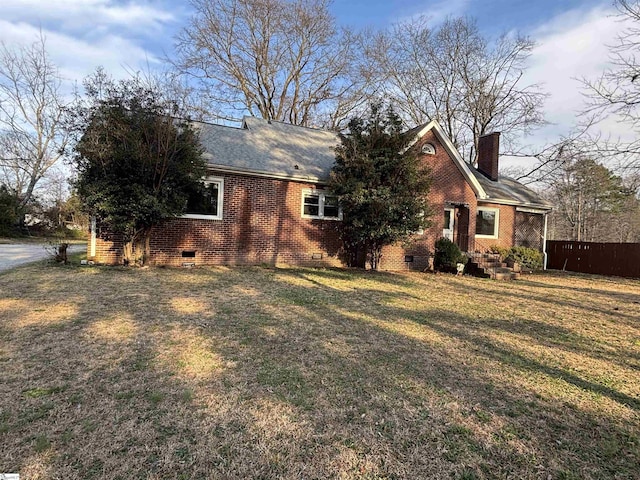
[(207, 205), (487, 222), (317, 204)]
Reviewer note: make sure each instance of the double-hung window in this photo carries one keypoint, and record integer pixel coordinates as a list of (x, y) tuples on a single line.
[(487, 222), (207, 205), (318, 204)]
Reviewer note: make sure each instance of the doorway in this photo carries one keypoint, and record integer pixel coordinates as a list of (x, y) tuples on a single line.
[(449, 220)]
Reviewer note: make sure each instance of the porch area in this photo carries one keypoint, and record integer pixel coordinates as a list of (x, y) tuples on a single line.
[(501, 227), (490, 265)]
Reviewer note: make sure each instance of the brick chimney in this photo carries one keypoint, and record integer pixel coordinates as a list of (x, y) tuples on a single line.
[(488, 151)]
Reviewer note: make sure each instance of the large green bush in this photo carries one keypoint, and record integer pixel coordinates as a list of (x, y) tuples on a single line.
[(528, 258), (383, 187), (136, 163), (447, 256), (9, 208)]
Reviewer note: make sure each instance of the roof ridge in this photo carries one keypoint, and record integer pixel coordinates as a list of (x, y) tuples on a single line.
[(211, 124), (270, 121)]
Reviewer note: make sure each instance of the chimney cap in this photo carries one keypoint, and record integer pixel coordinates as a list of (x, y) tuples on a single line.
[(488, 134)]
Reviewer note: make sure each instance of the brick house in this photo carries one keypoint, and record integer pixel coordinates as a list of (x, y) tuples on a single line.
[(267, 203)]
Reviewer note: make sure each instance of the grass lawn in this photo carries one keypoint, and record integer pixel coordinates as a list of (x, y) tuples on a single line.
[(274, 373), (41, 240)]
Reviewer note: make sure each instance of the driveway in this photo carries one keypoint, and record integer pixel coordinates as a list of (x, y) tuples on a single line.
[(12, 255)]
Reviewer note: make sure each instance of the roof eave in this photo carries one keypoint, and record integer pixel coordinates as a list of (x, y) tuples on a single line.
[(263, 174), (515, 203)]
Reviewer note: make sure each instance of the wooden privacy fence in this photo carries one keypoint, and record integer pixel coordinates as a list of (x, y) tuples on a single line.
[(621, 259)]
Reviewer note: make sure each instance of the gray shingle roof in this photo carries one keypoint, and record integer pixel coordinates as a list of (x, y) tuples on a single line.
[(277, 148), (506, 188), (271, 148)]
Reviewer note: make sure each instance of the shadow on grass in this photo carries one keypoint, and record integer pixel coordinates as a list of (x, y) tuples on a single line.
[(263, 377), (545, 333), (520, 293), (495, 351)]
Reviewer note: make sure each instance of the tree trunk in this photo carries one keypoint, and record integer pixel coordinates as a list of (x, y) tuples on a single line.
[(146, 247), (127, 253), (137, 251), (375, 254), (28, 194), (142, 247)]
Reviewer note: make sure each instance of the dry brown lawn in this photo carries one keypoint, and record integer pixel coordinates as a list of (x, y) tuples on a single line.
[(264, 373)]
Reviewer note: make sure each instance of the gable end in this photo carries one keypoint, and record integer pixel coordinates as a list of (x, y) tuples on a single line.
[(453, 154)]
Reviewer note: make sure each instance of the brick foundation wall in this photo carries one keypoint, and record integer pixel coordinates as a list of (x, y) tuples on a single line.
[(108, 248)]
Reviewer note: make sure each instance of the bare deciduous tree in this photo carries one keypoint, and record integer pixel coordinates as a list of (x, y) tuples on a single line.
[(617, 90), (453, 74), (32, 136), (547, 160), (277, 59)]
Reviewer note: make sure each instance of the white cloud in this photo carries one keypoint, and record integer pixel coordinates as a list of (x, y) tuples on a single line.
[(437, 11), (570, 47), (85, 15), (442, 9), (76, 58), (84, 34)]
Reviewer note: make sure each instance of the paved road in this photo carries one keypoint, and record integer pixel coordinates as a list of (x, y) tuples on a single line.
[(12, 255)]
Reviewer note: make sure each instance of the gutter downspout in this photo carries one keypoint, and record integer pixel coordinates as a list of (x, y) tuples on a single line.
[(544, 243)]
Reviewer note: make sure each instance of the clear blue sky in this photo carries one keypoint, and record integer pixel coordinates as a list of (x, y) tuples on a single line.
[(494, 16)]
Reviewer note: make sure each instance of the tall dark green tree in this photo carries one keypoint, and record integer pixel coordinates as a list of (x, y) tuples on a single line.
[(9, 211), (382, 186), (590, 202), (136, 163)]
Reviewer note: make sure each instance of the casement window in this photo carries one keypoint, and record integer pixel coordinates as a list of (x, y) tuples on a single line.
[(317, 204), (208, 205), (487, 222)]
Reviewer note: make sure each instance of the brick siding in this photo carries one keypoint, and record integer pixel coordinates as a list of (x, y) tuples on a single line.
[(448, 186), (506, 226), (108, 248), (262, 223)]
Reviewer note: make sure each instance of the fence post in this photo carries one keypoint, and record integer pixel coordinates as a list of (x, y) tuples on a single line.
[(544, 243)]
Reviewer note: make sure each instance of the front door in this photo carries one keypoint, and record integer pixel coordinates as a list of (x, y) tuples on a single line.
[(449, 216), (462, 226)]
